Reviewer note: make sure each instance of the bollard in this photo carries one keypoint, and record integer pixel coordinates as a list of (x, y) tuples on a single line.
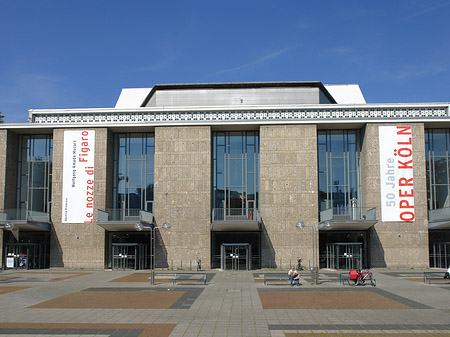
[(315, 275)]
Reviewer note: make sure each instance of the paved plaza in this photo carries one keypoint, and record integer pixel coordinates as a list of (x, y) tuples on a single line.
[(124, 303)]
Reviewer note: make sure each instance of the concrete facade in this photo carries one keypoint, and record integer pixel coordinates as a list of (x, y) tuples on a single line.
[(183, 195), (289, 192), (396, 244), (8, 173), (78, 245), (186, 193)]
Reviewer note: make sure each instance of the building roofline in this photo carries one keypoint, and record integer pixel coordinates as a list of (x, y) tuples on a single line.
[(241, 108), (238, 85)]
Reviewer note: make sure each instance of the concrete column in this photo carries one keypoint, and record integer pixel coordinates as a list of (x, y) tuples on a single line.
[(183, 195), (9, 148), (396, 244), (3, 144), (288, 193), (80, 246), (3, 148)]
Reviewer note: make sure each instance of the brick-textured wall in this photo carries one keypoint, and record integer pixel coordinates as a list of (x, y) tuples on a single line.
[(78, 245), (396, 244), (288, 192), (183, 195)]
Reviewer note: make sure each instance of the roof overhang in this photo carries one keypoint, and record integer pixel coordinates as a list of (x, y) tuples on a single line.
[(119, 226), (438, 225), (27, 226), (347, 225), (235, 226)]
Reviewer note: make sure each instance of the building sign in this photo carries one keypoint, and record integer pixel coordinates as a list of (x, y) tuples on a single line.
[(10, 262), (78, 176), (396, 173)]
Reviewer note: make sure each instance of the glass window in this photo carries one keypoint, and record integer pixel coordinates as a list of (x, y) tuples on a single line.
[(235, 176), (337, 144), (441, 196), (34, 172), (437, 165), (338, 162), (37, 171), (440, 170), (134, 159), (440, 143), (235, 143)]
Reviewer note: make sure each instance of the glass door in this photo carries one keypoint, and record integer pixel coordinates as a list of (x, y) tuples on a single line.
[(25, 256), (124, 256), (440, 255), (236, 256), (349, 255), (344, 256)]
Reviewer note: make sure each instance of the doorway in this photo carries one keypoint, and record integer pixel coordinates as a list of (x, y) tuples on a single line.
[(236, 256), (250, 240), (440, 255), (347, 255), (128, 256), (26, 255)]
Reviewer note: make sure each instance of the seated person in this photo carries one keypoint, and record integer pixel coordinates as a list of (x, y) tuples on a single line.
[(447, 273), (294, 276)]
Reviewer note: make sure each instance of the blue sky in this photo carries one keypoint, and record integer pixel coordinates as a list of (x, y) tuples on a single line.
[(78, 54)]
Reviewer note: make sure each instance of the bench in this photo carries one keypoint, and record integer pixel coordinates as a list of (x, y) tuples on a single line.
[(276, 277), (343, 278), (189, 278), (428, 277)]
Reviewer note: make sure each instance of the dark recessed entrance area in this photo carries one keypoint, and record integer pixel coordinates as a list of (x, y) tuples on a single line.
[(128, 250), (343, 250), (31, 252), (235, 250)]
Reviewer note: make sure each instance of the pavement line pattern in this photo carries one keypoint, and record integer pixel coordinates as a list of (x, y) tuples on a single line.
[(229, 305), (5, 290), (86, 329), (356, 327)]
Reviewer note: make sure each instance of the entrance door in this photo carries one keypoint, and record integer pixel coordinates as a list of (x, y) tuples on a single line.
[(236, 256), (344, 255), (349, 256), (440, 255), (25, 255), (125, 256)]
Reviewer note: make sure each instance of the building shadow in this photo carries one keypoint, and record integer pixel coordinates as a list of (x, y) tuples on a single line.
[(267, 250), (56, 252), (376, 251), (161, 260)]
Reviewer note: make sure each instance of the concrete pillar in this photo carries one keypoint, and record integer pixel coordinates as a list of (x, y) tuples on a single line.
[(183, 195), (3, 143), (288, 193), (396, 244), (9, 148), (79, 246)]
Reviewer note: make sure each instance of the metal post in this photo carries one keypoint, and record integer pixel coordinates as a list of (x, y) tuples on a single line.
[(313, 247), (314, 268), (315, 271), (152, 256)]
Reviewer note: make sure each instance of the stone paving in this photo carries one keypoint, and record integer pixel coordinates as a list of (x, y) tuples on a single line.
[(123, 303)]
